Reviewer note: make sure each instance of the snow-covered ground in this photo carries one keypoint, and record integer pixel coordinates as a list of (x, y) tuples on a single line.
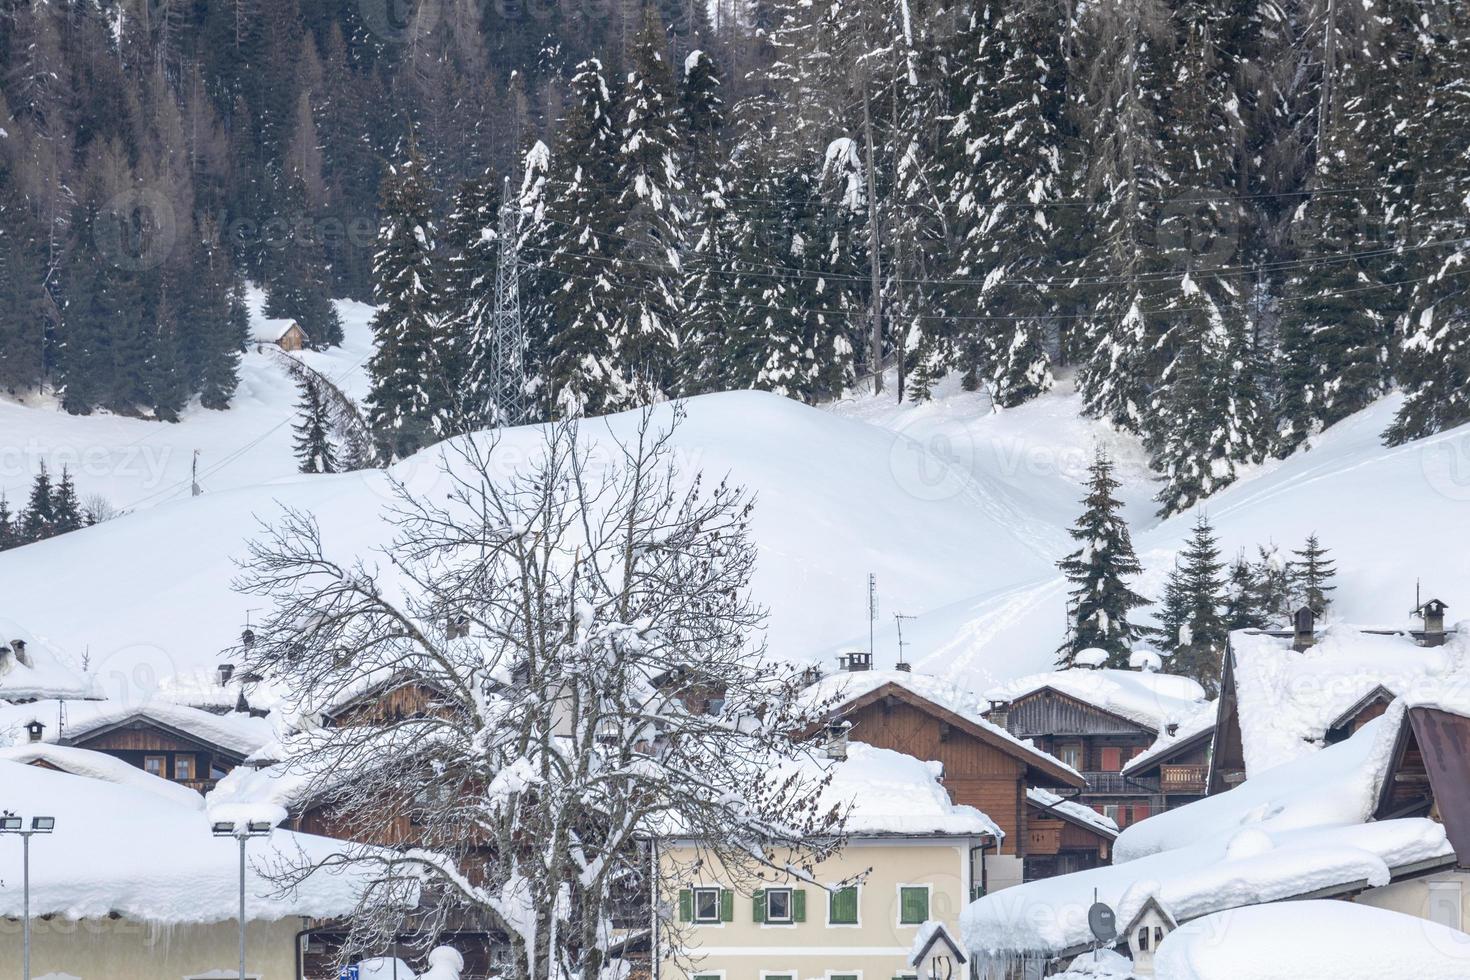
[(138, 463), (960, 512)]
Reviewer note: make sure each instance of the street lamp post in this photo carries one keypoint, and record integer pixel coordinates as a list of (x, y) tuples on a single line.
[(241, 831), (16, 825)]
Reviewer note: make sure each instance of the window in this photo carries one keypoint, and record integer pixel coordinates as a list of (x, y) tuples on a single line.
[(1071, 755), (156, 765), (706, 905), (842, 907), (778, 905), (1114, 813), (1445, 903), (1112, 758), (1143, 940), (913, 904), (183, 768)]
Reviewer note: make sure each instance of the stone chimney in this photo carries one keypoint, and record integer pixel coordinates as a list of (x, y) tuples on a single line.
[(1304, 628), (225, 673), (1433, 614), (837, 732), (999, 714)]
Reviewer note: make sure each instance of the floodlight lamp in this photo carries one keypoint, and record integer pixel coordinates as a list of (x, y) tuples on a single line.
[(43, 825), (223, 828), (10, 825)]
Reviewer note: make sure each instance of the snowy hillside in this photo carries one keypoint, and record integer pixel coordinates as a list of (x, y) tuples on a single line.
[(958, 510), (136, 463)]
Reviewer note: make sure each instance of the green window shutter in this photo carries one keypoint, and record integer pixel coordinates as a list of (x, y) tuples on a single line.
[(798, 905), (913, 906), (758, 907), (843, 908), (727, 905), (686, 905)]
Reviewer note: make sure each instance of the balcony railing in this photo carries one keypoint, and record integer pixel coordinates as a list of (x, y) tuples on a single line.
[(1117, 784), (199, 785), (1183, 779)]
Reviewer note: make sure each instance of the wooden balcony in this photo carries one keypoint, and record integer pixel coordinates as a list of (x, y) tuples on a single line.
[(1183, 779), (200, 786), (1117, 784)]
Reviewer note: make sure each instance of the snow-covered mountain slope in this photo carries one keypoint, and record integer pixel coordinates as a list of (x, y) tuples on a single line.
[(958, 510), (136, 463), (149, 594), (1393, 518)]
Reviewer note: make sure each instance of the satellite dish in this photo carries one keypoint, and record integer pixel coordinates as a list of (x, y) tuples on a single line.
[(1103, 922)]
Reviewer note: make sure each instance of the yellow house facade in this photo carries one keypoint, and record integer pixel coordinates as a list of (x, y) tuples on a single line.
[(911, 857)]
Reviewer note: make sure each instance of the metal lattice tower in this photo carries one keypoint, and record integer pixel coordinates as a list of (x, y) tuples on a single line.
[(507, 332)]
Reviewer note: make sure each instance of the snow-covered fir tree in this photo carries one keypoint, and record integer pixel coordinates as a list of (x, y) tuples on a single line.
[(1101, 599), (1272, 575), (312, 443), (582, 369), (1197, 640), (1242, 608), (648, 290), (412, 400)]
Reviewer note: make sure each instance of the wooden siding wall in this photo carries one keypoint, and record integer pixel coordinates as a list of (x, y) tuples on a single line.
[(141, 738), (406, 701), (1050, 713), (975, 773)]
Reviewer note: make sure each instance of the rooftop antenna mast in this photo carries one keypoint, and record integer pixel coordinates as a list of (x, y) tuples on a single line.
[(872, 611), (507, 331), (903, 661)]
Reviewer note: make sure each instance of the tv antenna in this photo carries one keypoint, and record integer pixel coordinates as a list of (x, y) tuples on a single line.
[(872, 611), (898, 618)]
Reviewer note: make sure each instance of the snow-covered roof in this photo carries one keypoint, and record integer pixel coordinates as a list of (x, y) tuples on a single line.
[(265, 330), (887, 792), (1199, 723), (100, 765), (1288, 699), (41, 671), (1072, 810), (1146, 698), (1342, 940), (236, 732), (120, 849), (844, 687), (1294, 832)]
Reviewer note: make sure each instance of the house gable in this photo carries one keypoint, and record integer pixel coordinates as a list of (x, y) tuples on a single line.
[(140, 733), (1227, 751), (1426, 775), (1047, 711)]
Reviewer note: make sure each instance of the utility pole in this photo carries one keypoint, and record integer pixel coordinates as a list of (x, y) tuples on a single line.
[(194, 475), (507, 331), (872, 611), (875, 355)]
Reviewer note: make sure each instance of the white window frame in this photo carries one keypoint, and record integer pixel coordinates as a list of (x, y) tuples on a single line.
[(794, 974), (829, 974), (1445, 889), (701, 974), (831, 889), (694, 905), (898, 903), (790, 919)]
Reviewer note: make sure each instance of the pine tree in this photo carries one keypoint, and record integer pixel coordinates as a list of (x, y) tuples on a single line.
[(410, 401), (66, 510), (313, 444), (647, 297), (1310, 571), (9, 532), (1101, 599), (1242, 597), (583, 374), (39, 520), (1203, 635), (1273, 584)]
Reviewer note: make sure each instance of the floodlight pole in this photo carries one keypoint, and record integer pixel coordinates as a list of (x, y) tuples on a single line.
[(243, 838), (14, 825), (242, 832)]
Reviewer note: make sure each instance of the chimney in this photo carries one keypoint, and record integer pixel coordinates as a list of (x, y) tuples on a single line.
[(20, 652), (837, 739), (226, 671), (904, 667), (34, 730), (810, 675), (999, 714), (1304, 628), (1433, 614), (857, 661), (1172, 728)]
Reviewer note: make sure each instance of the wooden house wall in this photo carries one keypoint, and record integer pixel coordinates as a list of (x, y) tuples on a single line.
[(1054, 714), (975, 773), (406, 701)]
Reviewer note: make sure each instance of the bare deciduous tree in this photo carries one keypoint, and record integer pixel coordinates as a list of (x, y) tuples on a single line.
[(582, 626)]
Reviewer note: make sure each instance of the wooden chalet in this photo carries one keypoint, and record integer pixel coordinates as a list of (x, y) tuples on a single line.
[(163, 743), (1179, 765), (1097, 722), (984, 766)]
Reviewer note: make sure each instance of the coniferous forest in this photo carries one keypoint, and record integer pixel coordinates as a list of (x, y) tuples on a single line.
[(1233, 222)]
